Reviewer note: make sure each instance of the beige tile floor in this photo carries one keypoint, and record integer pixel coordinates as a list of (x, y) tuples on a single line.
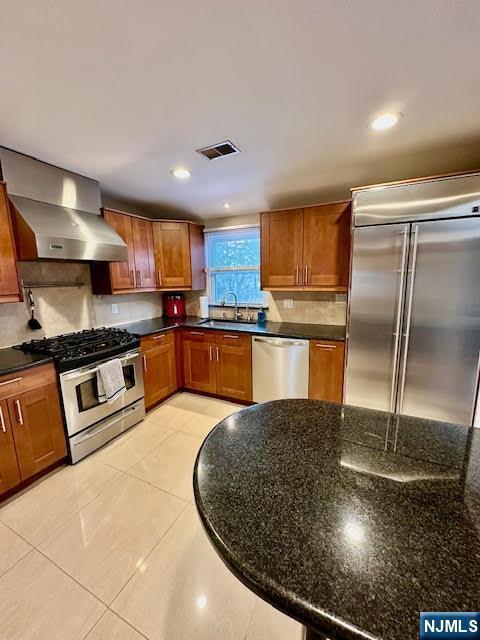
[(112, 548)]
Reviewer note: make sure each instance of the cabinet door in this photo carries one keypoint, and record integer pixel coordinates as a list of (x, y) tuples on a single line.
[(326, 245), (37, 429), (122, 274), (282, 248), (9, 473), (326, 370), (9, 288), (233, 355), (159, 373), (199, 366), (172, 254), (144, 254)]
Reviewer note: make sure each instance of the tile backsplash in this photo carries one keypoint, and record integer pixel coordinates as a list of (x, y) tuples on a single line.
[(308, 307), (67, 309)]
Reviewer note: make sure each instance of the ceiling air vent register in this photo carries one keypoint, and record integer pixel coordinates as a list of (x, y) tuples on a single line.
[(225, 148)]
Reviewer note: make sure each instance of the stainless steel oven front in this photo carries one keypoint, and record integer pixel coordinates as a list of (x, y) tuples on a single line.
[(80, 395)]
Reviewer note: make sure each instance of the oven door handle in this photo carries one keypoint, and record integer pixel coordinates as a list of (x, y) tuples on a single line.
[(73, 376)]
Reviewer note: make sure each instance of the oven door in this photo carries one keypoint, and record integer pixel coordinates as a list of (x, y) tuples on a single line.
[(80, 395)]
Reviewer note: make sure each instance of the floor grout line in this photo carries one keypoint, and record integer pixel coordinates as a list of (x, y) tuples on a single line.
[(17, 561)]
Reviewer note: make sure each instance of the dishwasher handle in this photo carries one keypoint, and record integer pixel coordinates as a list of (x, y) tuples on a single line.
[(281, 342)]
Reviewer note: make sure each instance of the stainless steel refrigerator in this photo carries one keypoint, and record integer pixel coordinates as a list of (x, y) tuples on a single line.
[(413, 335)]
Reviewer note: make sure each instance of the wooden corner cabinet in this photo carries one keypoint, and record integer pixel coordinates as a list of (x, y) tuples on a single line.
[(326, 370), (162, 255), (306, 249), (159, 367), (32, 437), (218, 363), (9, 283)]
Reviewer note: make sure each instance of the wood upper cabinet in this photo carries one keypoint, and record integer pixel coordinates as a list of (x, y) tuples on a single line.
[(162, 255), (9, 284), (122, 274), (281, 248), (326, 370), (159, 367), (9, 471), (306, 248), (172, 254), (32, 437), (233, 355), (326, 245)]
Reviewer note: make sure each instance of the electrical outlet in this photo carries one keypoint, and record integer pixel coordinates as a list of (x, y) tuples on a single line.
[(288, 303), (114, 309)]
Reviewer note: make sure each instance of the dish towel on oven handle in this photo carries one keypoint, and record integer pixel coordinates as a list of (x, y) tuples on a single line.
[(110, 381)]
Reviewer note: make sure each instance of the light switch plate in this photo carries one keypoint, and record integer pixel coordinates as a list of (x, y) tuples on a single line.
[(114, 309), (288, 303)]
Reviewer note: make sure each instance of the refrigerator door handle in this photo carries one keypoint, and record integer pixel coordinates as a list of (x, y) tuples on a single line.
[(408, 317), (398, 321)]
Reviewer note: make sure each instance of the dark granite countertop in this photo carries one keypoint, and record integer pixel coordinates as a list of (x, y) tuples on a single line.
[(351, 521), (12, 360), (274, 329)]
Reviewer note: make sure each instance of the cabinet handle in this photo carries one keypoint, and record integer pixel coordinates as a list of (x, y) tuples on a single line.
[(218, 354), (159, 276), (326, 346), (196, 333), (139, 277), (18, 411), (296, 275), (2, 421), (210, 357), (306, 275), (144, 358), (158, 337), (232, 337), (132, 278), (10, 381)]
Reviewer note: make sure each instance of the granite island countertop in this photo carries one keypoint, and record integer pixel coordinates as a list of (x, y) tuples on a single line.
[(12, 360), (273, 329), (351, 521)]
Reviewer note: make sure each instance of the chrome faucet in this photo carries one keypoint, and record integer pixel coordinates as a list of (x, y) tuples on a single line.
[(237, 315)]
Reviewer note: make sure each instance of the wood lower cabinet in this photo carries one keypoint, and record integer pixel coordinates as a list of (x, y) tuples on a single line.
[(306, 249), (32, 437), (326, 370), (159, 367), (38, 430), (233, 354), (9, 284), (199, 366), (218, 363), (9, 471)]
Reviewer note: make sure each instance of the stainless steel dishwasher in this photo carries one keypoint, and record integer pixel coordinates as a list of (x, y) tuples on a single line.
[(280, 368)]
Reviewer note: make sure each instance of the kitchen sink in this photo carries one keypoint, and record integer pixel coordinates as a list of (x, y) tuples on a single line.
[(237, 325)]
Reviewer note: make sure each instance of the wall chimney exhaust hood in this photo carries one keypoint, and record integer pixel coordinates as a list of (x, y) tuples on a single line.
[(57, 213)]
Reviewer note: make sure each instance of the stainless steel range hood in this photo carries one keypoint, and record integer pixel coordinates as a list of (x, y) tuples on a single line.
[(57, 213)]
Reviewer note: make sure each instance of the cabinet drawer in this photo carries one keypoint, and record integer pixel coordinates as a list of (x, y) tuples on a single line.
[(157, 340), (26, 380), (199, 335), (233, 339)]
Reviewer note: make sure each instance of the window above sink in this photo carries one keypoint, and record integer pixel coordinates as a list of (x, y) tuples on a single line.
[(233, 264)]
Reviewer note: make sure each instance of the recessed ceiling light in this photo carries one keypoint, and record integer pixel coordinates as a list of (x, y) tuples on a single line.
[(181, 173), (227, 205), (385, 121)]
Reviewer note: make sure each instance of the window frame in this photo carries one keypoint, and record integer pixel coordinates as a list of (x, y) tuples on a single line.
[(212, 270)]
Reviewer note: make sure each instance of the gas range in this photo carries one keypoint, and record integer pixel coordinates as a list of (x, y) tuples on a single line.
[(73, 350)]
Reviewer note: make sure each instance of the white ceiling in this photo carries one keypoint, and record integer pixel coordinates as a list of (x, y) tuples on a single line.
[(122, 91)]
